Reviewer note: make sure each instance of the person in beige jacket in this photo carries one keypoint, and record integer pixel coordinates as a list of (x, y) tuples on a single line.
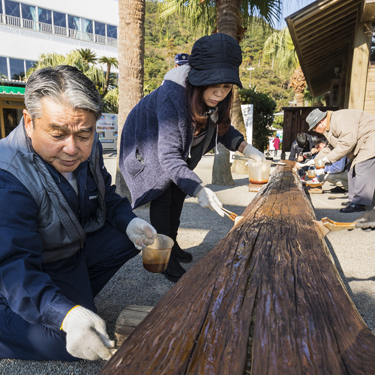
[(349, 133)]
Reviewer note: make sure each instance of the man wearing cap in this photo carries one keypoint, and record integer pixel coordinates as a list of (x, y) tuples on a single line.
[(181, 59), (349, 133)]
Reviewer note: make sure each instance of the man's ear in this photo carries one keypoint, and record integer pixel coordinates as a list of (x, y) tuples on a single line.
[(29, 126)]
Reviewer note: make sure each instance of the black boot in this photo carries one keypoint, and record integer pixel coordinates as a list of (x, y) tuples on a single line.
[(181, 255), (174, 269)]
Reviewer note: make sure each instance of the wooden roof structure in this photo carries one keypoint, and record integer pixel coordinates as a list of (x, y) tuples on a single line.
[(323, 34)]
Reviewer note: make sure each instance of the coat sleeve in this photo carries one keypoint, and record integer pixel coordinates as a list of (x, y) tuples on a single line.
[(231, 139), (172, 143), (27, 290), (345, 130)]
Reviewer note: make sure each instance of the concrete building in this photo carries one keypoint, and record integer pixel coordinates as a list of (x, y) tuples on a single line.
[(29, 28)]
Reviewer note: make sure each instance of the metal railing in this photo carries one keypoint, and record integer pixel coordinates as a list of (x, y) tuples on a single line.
[(58, 30)]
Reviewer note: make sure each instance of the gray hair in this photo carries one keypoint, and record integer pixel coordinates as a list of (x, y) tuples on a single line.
[(63, 84)]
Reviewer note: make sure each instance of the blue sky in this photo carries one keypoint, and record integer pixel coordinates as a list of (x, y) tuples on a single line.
[(290, 7)]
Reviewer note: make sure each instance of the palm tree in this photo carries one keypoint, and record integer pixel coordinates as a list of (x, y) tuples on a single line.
[(228, 17), (85, 61), (280, 47), (110, 62), (131, 66), (88, 56)]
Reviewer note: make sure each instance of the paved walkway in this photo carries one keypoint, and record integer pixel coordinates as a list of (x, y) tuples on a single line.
[(353, 252)]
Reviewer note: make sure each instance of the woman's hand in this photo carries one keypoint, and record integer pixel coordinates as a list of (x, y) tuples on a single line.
[(252, 153)]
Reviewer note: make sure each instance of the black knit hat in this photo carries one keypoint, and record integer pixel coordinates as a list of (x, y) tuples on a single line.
[(215, 59)]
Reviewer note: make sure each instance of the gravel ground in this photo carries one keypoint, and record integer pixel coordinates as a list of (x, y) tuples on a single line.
[(352, 251)]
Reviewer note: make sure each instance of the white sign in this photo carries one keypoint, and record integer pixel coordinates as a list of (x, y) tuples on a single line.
[(247, 113), (106, 127)]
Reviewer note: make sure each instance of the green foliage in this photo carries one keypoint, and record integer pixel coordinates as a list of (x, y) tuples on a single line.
[(166, 37), (266, 75), (264, 107), (85, 60), (278, 122)]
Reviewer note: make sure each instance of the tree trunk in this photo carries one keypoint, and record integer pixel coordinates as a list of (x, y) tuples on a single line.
[(229, 22), (221, 173), (267, 299), (299, 99), (131, 68)]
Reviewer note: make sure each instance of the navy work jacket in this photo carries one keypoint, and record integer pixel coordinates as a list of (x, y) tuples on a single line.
[(24, 287)]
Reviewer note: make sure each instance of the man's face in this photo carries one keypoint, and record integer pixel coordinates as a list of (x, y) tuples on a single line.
[(321, 127), (62, 137)]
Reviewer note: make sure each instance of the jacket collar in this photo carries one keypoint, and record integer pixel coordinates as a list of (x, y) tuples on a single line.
[(178, 75)]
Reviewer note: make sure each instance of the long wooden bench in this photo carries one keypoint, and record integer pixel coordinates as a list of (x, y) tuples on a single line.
[(267, 300)]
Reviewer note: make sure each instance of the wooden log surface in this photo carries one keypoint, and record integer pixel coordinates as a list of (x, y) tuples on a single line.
[(266, 300)]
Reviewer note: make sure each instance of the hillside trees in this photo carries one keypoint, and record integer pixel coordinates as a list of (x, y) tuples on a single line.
[(86, 61)]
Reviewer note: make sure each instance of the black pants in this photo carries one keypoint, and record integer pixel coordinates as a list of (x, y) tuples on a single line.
[(165, 211)]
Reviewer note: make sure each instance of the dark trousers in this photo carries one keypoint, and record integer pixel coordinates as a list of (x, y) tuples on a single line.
[(80, 278), (165, 211), (361, 181)]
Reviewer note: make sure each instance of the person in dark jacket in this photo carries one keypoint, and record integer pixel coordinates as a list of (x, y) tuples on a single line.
[(64, 231), (301, 148), (168, 131)]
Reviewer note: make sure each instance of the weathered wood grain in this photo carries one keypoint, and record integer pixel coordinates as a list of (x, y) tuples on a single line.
[(266, 300)]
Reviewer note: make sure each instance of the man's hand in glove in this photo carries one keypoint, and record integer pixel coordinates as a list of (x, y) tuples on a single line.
[(208, 199), (140, 231), (86, 335), (366, 221), (252, 153)]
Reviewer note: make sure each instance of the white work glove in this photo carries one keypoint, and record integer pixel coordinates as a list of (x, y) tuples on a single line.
[(86, 335), (252, 153), (208, 199), (326, 160), (140, 231)]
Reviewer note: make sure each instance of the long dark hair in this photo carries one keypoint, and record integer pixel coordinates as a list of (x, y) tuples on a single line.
[(198, 109)]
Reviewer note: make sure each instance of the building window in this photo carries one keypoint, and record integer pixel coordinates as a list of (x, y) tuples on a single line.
[(45, 20), (112, 31), (29, 16), (12, 8), (87, 30), (3, 67), (17, 69), (29, 64), (59, 19), (59, 22), (99, 28), (74, 24)]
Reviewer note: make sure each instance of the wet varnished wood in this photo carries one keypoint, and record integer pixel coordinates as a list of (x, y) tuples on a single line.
[(266, 300)]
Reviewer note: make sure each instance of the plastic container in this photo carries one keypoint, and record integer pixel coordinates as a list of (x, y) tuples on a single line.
[(259, 171), (319, 164), (311, 172), (156, 256)]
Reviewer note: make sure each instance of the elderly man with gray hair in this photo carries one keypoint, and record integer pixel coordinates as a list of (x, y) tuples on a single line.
[(349, 133), (64, 230)]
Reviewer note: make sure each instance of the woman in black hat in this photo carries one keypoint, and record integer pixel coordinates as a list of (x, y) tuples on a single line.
[(168, 131)]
